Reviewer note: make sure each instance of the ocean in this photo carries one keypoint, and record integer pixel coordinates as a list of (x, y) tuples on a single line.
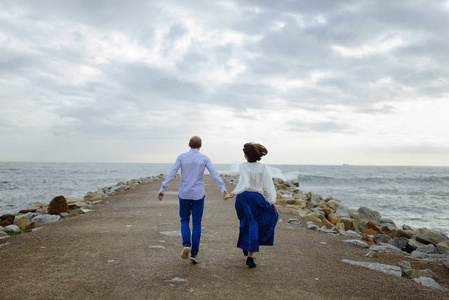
[(416, 196)]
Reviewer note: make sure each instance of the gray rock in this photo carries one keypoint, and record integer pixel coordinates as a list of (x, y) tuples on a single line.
[(389, 223), (406, 233), (333, 230), (431, 273), (388, 269), (381, 238), (443, 247), (3, 234), (351, 233), (372, 254), (11, 228), (429, 282), (446, 263), (63, 215), (383, 247), (429, 249), (372, 214), (311, 225), (316, 198), (400, 242), (439, 258), (343, 213), (357, 243), (428, 237), (405, 264), (45, 219), (415, 244)]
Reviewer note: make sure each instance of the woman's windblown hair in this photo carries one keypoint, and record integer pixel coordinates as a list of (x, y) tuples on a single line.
[(254, 151)]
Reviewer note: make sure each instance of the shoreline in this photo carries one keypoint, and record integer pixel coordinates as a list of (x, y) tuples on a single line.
[(318, 256)]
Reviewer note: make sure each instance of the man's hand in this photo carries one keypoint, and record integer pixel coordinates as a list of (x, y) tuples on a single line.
[(160, 196), (225, 195)]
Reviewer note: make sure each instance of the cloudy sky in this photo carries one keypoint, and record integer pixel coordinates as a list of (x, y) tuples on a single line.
[(316, 82)]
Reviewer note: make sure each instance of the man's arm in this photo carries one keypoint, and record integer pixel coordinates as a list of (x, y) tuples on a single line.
[(174, 170), (216, 177)]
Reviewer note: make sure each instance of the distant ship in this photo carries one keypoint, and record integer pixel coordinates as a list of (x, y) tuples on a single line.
[(345, 165)]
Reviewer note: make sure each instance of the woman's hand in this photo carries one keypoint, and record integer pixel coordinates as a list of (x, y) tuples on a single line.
[(276, 207), (226, 196)]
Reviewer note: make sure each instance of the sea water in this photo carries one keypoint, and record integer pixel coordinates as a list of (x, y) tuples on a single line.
[(416, 196)]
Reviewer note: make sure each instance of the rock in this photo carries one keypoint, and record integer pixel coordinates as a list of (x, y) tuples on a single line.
[(388, 269), (316, 198), (386, 222), (328, 224), (348, 223), (405, 264), (372, 254), (443, 247), (334, 219), (343, 213), (58, 205), (12, 228), (431, 273), (2, 233), (23, 223), (428, 237), (381, 238), (63, 215), (33, 208), (406, 233), (352, 234), (359, 226), (332, 230), (383, 247), (429, 282), (406, 227), (386, 230), (6, 220), (357, 243), (371, 214), (428, 249), (340, 227), (93, 196), (312, 217), (311, 225), (400, 242), (416, 273), (415, 244), (45, 219), (372, 229), (446, 264)]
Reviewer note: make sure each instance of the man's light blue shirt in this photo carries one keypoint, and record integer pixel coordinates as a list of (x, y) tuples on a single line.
[(192, 166)]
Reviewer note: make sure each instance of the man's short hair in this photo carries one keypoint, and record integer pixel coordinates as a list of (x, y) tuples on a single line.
[(195, 142)]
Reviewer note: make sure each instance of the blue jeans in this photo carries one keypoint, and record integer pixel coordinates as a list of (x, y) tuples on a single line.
[(194, 208)]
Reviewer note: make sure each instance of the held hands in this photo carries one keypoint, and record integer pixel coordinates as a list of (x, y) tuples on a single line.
[(160, 196), (226, 195)]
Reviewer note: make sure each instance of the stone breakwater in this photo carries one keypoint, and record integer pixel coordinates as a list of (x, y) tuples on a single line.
[(366, 228), (29, 219)]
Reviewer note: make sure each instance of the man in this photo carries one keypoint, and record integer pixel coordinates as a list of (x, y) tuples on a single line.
[(191, 194)]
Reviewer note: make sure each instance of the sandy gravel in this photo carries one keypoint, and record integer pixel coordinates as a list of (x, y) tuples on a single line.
[(115, 252)]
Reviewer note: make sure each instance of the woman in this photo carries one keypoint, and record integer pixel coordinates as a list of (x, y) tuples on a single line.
[(258, 216)]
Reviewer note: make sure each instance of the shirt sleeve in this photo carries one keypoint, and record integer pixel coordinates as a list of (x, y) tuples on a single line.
[(215, 176), (268, 185), (174, 170)]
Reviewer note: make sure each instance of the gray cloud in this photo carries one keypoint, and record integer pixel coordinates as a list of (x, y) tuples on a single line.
[(132, 68)]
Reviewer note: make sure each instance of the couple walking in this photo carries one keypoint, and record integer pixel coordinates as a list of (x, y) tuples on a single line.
[(258, 216)]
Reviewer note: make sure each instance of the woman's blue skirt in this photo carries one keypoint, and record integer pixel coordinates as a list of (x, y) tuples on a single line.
[(258, 220)]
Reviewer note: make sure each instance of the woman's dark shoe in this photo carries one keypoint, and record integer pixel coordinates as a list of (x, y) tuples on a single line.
[(245, 252), (250, 262)]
